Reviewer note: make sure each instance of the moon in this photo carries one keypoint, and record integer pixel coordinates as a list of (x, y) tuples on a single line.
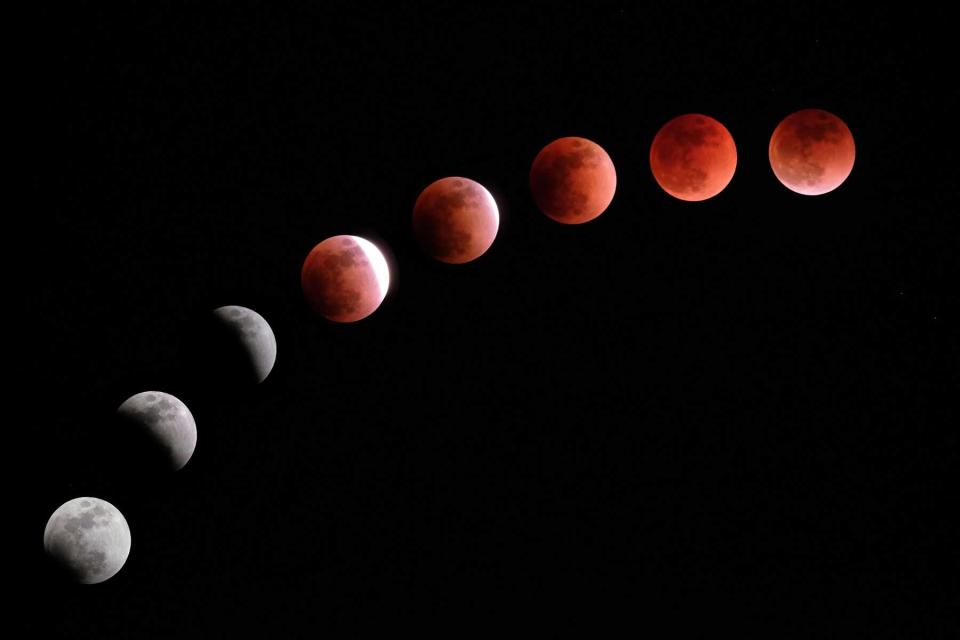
[(693, 157), (345, 278), (573, 180), (250, 344), (455, 220), (812, 152), (89, 538), (164, 424)]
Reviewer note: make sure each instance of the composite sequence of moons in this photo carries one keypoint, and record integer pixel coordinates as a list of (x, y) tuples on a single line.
[(163, 424), (573, 180), (812, 152), (345, 278), (455, 220), (88, 539), (693, 157)]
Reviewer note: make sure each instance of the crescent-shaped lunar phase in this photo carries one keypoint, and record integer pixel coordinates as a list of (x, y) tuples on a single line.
[(88, 538), (812, 152), (455, 220), (251, 342), (573, 180), (165, 423), (693, 157), (345, 278)]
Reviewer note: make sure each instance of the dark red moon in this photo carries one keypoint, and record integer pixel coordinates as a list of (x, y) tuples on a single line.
[(345, 278), (573, 180), (455, 220), (812, 152), (693, 157)]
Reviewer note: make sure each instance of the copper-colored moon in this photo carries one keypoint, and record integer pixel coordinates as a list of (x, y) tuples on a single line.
[(693, 157), (812, 152), (345, 278), (455, 220), (573, 180)]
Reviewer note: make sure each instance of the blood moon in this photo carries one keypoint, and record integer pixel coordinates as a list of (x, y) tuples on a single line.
[(455, 220), (345, 278), (812, 152), (573, 180), (693, 157)]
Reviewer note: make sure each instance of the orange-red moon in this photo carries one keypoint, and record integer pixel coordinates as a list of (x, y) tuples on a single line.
[(345, 278), (812, 152), (693, 157), (455, 220), (573, 180)]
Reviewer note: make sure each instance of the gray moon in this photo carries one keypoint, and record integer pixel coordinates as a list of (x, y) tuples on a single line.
[(256, 345), (167, 423), (89, 538)]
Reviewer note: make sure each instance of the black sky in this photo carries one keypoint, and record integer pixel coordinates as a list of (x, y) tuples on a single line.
[(730, 414)]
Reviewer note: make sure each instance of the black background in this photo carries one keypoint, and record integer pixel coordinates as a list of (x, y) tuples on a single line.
[(727, 415)]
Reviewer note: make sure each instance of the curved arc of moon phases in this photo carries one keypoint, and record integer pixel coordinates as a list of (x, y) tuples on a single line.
[(573, 180), (455, 220), (693, 157), (89, 538), (345, 278), (812, 152)]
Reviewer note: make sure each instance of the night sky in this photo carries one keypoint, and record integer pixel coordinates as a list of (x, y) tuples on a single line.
[(731, 414)]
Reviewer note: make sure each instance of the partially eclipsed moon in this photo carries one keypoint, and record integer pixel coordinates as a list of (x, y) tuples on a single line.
[(252, 345), (89, 538), (455, 220), (812, 152), (345, 278), (165, 423), (693, 157), (573, 180)]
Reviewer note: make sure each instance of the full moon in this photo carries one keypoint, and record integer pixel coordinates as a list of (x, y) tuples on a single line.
[(164, 423), (345, 278), (455, 220), (573, 180), (88, 538), (693, 157), (812, 152), (250, 343)]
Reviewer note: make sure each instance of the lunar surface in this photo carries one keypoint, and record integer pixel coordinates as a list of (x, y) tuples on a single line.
[(455, 220), (812, 152), (693, 157), (247, 341), (88, 538), (573, 180), (164, 423), (345, 278)]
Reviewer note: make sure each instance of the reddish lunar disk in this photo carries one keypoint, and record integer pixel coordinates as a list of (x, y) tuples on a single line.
[(455, 220), (345, 278), (573, 180), (812, 152), (693, 157)]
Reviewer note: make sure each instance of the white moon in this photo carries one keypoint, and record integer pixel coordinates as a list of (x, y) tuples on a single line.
[(166, 421), (252, 337), (89, 538)]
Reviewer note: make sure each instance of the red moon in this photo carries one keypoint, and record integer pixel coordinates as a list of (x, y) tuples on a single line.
[(693, 157), (812, 152), (573, 180), (455, 220), (345, 278)]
